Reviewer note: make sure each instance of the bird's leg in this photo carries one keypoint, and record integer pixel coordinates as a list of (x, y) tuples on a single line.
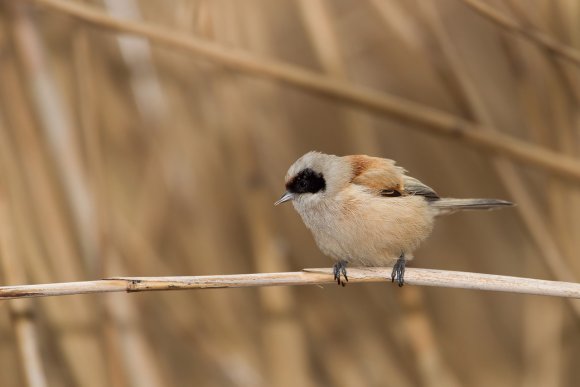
[(399, 270), (340, 269)]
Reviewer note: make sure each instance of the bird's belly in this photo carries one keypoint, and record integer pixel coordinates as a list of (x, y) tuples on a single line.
[(369, 236)]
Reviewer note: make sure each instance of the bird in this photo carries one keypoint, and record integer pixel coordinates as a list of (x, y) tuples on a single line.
[(366, 211)]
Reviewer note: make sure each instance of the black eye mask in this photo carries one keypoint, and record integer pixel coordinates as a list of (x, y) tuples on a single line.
[(306, 181)]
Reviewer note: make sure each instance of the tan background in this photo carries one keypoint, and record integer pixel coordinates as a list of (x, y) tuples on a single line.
[(133, 157)]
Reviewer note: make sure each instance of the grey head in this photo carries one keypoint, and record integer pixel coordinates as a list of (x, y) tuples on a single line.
[(313, 177)]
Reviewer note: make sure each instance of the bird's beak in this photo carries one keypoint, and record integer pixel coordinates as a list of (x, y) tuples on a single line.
[(287, 196)]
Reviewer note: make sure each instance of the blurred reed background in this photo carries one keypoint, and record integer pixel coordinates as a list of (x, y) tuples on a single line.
[(121, 155)]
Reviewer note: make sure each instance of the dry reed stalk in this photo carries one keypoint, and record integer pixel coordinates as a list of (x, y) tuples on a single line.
[(542, 321), (327, 50), (21, 313), (153, 115), (16, 115), (512, 180), (137, 358), (395, 16), (40, 214), (565, 72), (544, 324), (547, 367), (539, 38), (132, 360), (428, 119), (543, 347), (44, 213), (284, 342), (206, 242), (178, 310), (546, 329), (337, 368), (136, 354), (223, 335), (379, 361), (35, 209), (137, 56), (420, 277), (227, 341), (88, 124), (56, 123), (363, 140), (79, 348), (321, 29), (433, 369), (198, 230)]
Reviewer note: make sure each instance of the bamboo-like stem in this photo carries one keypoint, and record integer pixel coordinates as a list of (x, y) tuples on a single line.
[(320, 276), (56, 123), (322, 29), (512, 180), (430, 120), (284, 343), (21, 311), (539, 38)]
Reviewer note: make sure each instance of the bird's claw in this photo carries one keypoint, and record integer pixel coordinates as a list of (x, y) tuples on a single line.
[(339, 270), (398, 273)]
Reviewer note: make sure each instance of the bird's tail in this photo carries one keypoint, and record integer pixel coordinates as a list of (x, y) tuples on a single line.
[(450, 205)]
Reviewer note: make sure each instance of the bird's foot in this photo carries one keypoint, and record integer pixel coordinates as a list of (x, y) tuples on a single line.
[(398, 273), (339, 270)]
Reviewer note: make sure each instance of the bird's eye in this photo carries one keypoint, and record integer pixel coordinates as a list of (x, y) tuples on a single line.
[(391, 193)]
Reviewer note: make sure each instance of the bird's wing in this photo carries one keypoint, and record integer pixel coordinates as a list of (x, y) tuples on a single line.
[(385, 178), (376, 174)]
